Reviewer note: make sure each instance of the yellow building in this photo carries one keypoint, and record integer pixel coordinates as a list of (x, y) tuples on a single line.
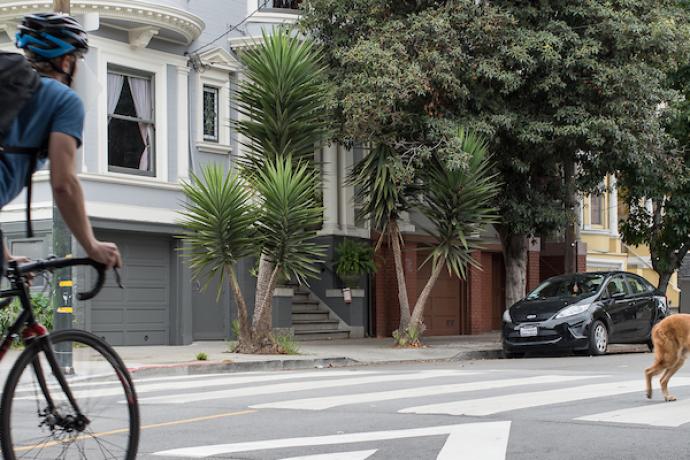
[(599, 216)]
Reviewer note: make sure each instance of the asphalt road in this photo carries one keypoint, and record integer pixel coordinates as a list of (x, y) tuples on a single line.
[(534, 408)]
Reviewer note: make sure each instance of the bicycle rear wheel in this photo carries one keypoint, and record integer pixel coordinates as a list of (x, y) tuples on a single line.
[(102, 388)]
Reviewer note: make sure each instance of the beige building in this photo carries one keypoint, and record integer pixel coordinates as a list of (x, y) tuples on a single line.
[(599, 217)]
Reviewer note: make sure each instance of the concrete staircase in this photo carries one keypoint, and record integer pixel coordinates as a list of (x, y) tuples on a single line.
[(311, 321)]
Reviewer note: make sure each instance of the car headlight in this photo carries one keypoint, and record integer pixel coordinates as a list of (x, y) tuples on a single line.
[(506, 316), (573, 310)]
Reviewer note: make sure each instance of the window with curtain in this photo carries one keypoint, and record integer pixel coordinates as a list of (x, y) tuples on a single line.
[(210, 113), (131, 123), (597, 209)]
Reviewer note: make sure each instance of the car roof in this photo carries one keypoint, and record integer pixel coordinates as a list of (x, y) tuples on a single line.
[(605, 273)]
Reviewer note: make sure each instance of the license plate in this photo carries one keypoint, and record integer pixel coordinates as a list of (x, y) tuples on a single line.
[(528, 331)]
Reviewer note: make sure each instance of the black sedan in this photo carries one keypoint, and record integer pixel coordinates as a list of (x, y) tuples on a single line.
[(583, 312)]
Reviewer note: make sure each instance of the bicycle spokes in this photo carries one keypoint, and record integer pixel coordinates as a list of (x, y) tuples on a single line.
[(99, 426)]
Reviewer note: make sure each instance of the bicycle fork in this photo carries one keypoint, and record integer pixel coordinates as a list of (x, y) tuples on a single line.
[(37, 335)]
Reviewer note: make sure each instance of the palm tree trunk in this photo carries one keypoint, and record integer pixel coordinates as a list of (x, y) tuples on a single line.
[(416, 326), (262, 334), (395, 237), (245, 338), (262, 287)]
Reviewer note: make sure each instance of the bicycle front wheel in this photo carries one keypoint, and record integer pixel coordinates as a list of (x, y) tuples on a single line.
[(102, 389)]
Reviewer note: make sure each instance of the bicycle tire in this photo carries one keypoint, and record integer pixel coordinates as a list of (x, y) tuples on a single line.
[(88, 343)]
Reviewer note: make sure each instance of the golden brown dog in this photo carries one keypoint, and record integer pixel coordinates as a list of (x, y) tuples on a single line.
[(671, 338)]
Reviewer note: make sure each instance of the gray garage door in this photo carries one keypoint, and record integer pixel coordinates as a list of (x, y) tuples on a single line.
[(140, 313)]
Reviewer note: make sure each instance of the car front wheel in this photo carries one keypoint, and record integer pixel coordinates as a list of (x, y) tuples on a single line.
[(598, 338)]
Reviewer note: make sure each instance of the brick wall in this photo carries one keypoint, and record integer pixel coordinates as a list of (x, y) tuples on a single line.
[(533, 264)]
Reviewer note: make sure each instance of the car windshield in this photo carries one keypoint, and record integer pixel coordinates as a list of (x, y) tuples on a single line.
[(570, 286)]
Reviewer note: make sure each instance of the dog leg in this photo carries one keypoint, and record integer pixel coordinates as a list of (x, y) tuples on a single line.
[(667, 376), (650, 372)]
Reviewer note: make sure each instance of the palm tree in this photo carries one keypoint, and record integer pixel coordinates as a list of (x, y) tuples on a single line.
[(385, 196), (219, 230), (288, 218), (457, 203), (227, 218), (455, 200), (282, 102)]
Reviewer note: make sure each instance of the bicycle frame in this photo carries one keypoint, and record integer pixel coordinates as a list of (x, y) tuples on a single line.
[(34, 334)]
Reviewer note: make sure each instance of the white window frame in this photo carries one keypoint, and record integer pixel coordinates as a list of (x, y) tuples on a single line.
[(602, 210), (215, 91), (154, 63), (217, 65), (221, 81), (127, 72)]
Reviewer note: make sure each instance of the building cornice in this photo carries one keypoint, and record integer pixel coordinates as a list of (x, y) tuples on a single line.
[(151, 14)]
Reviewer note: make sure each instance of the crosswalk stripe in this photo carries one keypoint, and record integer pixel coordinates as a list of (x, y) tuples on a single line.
[(497, 404), (91, 381), (298, 386), (655, 414), (476, 441), (217, 381), (433, 390), (354, 455)]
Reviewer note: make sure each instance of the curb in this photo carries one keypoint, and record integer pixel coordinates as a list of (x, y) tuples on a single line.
[(195, 368)]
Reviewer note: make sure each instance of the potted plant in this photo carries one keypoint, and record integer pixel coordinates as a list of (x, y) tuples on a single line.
[(352, 260)]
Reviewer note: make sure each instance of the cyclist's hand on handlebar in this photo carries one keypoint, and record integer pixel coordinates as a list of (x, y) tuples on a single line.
[(106, 253), (22, 260)]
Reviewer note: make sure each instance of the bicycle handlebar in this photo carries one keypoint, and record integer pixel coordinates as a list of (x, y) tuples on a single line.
[(52, 264)]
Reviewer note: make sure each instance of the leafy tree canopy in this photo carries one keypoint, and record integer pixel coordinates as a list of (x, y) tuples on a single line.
[(544, 81)]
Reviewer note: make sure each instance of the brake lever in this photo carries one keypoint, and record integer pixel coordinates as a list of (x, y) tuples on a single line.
[(118, 279)]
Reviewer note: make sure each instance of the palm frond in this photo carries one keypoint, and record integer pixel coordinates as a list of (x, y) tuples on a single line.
[(217, 222), (289, 217), (282, 101), (457, 203), (379, 188)]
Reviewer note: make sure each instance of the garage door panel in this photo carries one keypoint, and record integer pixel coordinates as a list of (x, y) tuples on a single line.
[(138, 314), (442, 311), (146, 274), (145, 316), (147, 295), (114, 337), (445, 306), (149, 337), (111, 295), (445, 283), (105, 316)]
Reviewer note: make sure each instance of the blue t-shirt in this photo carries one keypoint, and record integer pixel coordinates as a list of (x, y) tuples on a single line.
[(54, 107)]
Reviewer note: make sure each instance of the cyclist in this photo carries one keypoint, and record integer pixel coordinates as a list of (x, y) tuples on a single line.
[(53, 117)]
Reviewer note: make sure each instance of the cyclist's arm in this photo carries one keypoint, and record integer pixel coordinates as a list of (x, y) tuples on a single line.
[(67, 191), (10, 257)]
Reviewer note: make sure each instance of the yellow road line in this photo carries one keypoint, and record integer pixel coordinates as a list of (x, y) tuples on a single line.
[(145, 427)]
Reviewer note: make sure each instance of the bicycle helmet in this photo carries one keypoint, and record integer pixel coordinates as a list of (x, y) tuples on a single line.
[(51, 35)]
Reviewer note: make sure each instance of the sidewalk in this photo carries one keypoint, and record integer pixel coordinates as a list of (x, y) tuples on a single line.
[(181, 360), (178, 360)]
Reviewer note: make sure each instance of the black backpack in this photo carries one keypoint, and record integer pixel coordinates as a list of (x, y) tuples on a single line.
[(18, 83)]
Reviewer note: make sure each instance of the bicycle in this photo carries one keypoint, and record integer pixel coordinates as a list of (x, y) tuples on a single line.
[(68, 394)]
